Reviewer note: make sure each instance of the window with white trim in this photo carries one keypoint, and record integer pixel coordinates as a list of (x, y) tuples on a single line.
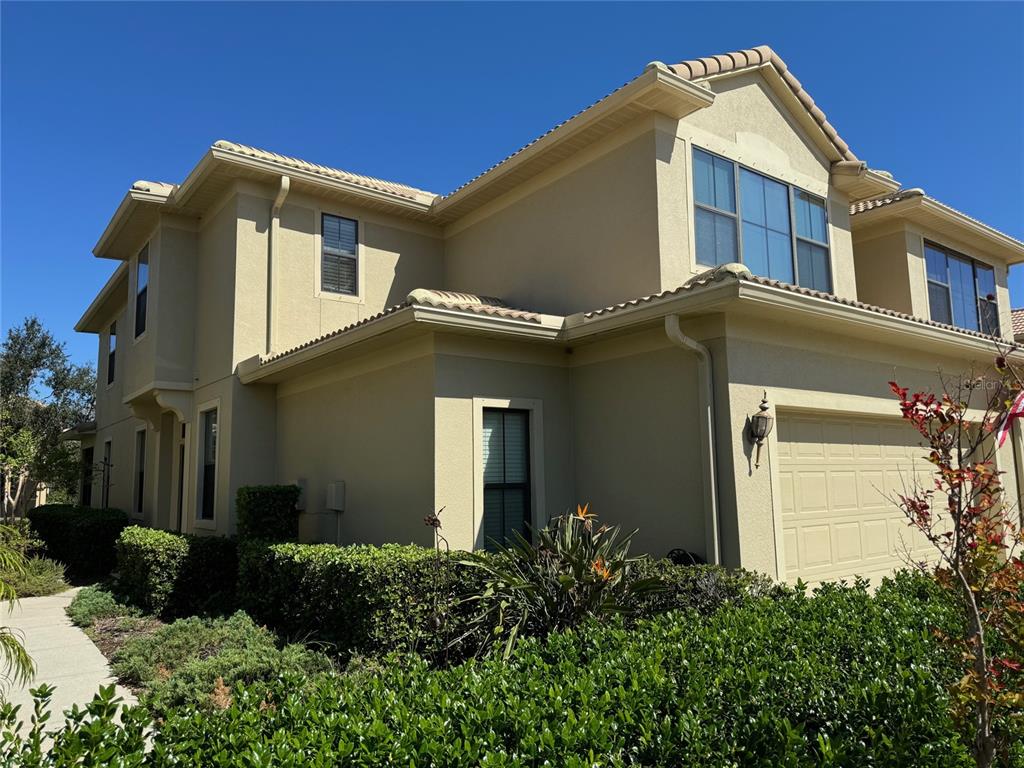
[(961, 291), (777, 230), (506, 457), (339, 258), (207, 465)]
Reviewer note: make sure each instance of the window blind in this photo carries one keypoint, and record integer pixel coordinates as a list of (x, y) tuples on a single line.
[(506, 456), (339, 271)]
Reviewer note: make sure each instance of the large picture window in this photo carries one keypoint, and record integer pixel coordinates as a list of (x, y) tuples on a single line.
[(783, 231), (961, 291), (506, 455), (339, 263), (208, 465)]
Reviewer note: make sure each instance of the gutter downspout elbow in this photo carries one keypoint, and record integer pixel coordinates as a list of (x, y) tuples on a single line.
[(275, 225), (707, 431)]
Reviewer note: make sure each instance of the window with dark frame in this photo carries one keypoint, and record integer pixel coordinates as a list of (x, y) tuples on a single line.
[(87, 472), (105, 473), (784, 232), (140, 471), (339, 260), (111, 352), (506, 458), (141, 290), (961, 290), (208, 465)]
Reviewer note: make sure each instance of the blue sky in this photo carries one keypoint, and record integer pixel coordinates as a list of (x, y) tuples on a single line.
[(95, 96)]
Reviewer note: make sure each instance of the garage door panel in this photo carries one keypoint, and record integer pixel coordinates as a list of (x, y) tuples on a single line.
[(838, 517)]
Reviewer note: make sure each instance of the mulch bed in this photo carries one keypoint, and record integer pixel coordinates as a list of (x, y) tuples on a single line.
[(110, 634)]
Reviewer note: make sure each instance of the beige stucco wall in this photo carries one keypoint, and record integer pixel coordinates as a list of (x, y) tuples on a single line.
[(582, 236), (636, 444), (883, 276), (471, 375), (396, 257), (369, 424)]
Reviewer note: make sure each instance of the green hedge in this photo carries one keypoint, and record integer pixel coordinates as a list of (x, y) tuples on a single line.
[(80, 537), (703, 587), (268, 512), (362, 599), (174, 574), (842, 679)]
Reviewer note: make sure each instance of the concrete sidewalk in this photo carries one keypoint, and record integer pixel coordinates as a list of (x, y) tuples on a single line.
[(64, 656)]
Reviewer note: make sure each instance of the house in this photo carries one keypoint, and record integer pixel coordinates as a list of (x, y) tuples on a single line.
[(594, 318)]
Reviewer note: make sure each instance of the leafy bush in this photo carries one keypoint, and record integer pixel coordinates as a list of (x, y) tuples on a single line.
[(92, 603), (40, 576), (576, 570), (845, 678), (17, 534), (361, 599), (268, 512), (193, 661), (173, 574), (703, 587), (80, 537)]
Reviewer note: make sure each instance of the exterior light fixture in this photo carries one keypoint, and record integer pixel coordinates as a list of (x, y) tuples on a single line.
[(761, 424)]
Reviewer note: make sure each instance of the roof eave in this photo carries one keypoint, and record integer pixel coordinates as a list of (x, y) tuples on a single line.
[(88, 322), (132, 200), (427, 318), (858, 182), (919, 208)]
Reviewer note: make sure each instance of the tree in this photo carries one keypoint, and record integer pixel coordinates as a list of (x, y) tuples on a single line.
[(972, 529), (42, 393)]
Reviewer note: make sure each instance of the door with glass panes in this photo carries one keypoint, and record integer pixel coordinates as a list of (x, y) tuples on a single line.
[(506, 456)]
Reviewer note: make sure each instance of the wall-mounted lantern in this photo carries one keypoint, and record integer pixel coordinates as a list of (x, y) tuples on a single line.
[(761, 424)]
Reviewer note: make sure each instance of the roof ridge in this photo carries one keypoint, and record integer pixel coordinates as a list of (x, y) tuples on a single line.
[(763, 55)]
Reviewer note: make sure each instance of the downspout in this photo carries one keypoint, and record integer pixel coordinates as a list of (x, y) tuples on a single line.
[(707, 430), (275, 225)]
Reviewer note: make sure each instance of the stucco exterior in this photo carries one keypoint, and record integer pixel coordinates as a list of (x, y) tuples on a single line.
[(563, 283)]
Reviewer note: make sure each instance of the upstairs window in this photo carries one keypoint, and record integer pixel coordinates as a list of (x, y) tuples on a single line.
[(961, 291), (111, 352), (775, 229), (339, 263), (141, 289)]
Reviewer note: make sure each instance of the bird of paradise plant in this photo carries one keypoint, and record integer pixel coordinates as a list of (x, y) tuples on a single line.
[(575, 570)]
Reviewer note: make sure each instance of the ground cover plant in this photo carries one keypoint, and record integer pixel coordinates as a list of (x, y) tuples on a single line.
[(844, 678)]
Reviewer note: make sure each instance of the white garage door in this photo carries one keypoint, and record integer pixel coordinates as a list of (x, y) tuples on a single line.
[(835, 474)]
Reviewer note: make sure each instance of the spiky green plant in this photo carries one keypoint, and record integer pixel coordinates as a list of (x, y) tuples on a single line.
[(576, 570)]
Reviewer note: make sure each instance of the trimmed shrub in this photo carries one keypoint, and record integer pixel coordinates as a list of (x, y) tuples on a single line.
[(193, 661), (93, 603), (702, 587), (268, 512), (362, 599), (173, 574), (842, 679), (80, 537)]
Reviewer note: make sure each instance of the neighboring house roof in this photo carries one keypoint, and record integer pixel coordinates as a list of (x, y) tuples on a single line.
[(916, 204), (763, 55), (1017, 319)]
